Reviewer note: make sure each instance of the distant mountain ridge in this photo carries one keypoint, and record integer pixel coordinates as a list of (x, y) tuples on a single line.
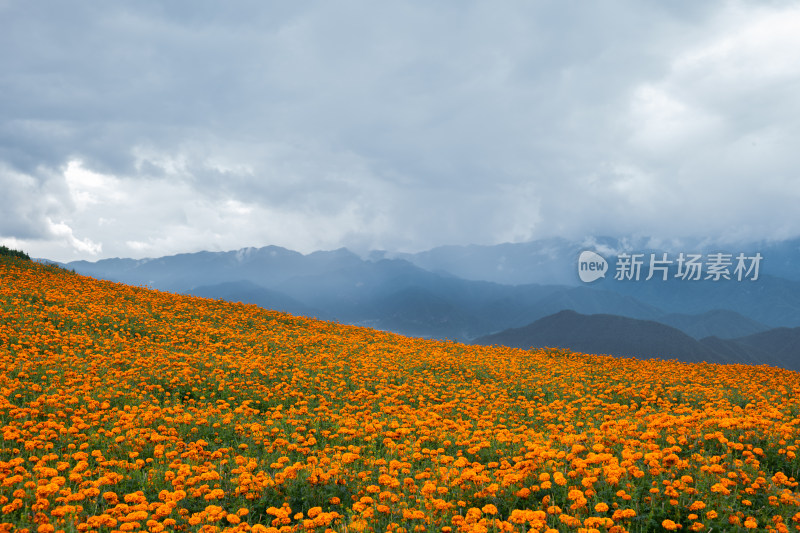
[(604, 334), (720, 323), (247, 292), (395, 292), (552, 260), (390, 294), (628, 337), (268, 267)]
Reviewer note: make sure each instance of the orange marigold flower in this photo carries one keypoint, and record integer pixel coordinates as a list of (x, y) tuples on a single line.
[(669, 525)]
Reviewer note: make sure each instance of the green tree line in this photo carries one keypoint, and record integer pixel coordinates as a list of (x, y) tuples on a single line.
[(6, 251)]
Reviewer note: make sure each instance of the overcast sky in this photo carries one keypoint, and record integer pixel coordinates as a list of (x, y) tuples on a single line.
[(141, 129)]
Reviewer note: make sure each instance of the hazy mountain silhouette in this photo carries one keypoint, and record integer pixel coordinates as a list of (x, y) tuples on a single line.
[(644, 339), (782, 344), (395, 292), (549, 261), (772, 301), (732, 352), (553, 260), (390, 294), (588, 300), (267, 267), (248, 292), (418, 312), (716, 323), (605, 334)]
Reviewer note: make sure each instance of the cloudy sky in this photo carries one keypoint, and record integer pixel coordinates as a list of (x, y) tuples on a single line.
[(141, 129)]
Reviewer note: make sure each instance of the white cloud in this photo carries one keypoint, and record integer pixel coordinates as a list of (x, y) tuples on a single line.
[(87, 188), (663, 124), (138, 246), (63, 232), (752, 47)]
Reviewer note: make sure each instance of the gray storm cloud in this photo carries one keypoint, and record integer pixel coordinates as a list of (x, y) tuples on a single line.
[(147, 129)]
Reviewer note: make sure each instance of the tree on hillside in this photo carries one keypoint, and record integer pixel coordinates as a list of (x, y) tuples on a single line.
[(5, 251)]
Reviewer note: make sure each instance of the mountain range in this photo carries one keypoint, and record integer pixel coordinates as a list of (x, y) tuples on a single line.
[(468, 292), (629, 337)]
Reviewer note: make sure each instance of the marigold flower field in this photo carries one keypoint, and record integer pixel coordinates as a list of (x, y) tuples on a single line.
[(128, 409)]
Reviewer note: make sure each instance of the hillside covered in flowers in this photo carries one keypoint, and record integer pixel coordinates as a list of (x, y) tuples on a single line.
[(128, 409)]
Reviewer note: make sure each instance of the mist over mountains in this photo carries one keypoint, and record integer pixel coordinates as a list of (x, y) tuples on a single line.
[(468, 292)]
